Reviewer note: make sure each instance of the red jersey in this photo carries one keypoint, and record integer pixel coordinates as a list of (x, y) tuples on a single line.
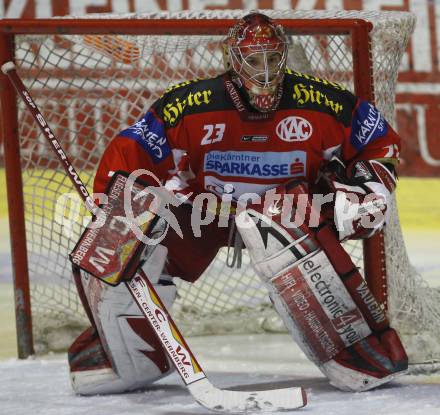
[(200, 136)]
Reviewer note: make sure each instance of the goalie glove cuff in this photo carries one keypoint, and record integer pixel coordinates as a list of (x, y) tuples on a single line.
[(362, 194), (365, 172)]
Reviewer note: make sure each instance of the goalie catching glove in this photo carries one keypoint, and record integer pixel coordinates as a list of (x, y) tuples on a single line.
[(318, 291), (362, 194)]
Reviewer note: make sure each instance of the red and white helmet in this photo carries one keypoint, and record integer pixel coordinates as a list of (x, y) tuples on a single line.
[(255, 50)]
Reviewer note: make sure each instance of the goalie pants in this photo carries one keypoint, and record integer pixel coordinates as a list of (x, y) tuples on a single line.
[(120, 352), (189, 257)]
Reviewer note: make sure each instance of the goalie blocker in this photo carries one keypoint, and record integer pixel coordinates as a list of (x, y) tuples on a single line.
[(318, 292), (110, 248)]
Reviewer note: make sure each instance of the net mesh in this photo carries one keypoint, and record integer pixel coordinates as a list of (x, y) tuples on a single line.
[(90, 87)]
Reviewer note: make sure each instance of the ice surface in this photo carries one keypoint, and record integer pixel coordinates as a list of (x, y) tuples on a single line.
[(41, 386)]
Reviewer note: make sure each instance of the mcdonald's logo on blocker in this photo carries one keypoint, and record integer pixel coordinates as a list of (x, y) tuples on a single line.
[(294, 129)]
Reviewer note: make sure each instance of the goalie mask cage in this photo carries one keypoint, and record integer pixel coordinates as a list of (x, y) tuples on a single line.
[(93, 76)]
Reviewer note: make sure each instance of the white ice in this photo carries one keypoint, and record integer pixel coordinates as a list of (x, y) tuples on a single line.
[(41, 386)]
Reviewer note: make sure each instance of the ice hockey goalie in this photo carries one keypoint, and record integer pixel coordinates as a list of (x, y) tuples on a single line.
[(286, 137)]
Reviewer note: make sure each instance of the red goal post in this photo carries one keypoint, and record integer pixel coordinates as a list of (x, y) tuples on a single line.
[(76, 67)]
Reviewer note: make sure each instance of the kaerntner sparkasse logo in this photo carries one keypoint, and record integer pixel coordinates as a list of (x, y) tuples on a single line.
[(294, 128)]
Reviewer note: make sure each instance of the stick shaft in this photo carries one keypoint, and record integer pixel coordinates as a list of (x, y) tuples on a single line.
[(50, 137), (155, 312)]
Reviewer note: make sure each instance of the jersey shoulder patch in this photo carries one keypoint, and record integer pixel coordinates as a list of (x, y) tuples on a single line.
[(368, 125), (190, 97), (317, 94), (149, 133)]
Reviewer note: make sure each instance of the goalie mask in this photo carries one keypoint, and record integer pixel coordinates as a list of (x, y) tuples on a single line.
[(255, 50)]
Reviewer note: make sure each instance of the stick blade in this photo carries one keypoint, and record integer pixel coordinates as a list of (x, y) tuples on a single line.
[(228, 401)]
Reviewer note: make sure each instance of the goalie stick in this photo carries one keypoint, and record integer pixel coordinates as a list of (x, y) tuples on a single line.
[(146, 297)]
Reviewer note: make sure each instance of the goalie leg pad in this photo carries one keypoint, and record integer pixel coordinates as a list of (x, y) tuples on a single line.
[(319, 302), (304, 287), (134, 356), (317, 308), (380, 357), (373, 312)]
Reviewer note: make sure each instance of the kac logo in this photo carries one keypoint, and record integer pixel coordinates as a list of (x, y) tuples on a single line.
[(294, 129)]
